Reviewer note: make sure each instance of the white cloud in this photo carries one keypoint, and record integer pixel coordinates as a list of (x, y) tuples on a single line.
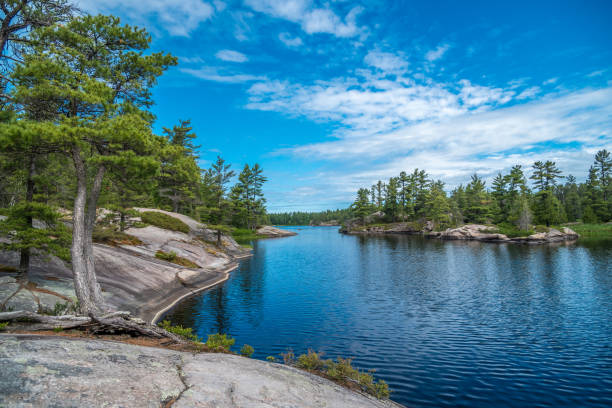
[(290, 41), (220, 75), (231, 56), (386, 61), (219, 5), (550, 81), (438, 53), (371, 105), (177, 17), (451, 130), (312, 19), (529, 93)]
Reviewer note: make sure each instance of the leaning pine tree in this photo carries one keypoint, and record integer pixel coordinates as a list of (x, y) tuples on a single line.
[(93, 79)]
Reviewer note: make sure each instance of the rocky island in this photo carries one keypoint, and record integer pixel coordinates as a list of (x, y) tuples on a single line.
[(468, 232)]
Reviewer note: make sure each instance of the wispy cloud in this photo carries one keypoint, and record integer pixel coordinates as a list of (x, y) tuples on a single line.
[(290, 41), (386, 62), (312, 19), (231, 56), (436, 54), (177, 17), (217, 74), (451, 129)]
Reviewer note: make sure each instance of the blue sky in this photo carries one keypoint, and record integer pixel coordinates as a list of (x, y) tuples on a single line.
[(329, 96)]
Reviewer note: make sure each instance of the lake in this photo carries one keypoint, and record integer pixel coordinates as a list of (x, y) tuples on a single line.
[(445, 323)]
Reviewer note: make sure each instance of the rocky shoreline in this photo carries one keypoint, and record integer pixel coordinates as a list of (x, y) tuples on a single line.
[(62, 371), (468, 232), (131, 276), (76, 371), (268, 231)]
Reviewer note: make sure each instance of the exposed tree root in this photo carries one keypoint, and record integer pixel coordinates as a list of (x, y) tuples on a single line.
[(110, 323)]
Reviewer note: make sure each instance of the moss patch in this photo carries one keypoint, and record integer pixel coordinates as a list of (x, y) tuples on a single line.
[(174, 258), (109, 236), (164, 221)]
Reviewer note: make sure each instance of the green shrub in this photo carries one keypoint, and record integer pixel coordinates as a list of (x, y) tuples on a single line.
[(247, 351), (343, 372), (174, 258), (3, 325), (310, 361), (185, 332), (219, 342), (593, 231), (288, 357), (271, 359), (58, 329), (511, 231), (164, 221)]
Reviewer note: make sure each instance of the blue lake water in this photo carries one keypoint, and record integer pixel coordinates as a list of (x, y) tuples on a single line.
[(461, 324)]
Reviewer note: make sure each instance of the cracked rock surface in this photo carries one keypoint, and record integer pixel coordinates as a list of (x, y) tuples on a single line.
[(64, 372)]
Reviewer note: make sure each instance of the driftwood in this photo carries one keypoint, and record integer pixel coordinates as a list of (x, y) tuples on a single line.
[(114, 323)]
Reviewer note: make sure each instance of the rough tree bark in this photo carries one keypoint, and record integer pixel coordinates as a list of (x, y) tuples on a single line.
[(79, 241), (90, 221), (24, 256)]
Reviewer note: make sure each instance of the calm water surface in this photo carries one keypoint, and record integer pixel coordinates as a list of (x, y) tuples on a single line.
[(444, 323)]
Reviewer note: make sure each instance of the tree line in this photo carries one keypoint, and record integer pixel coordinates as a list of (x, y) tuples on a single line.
[(546, 197), (76, 132), (309, 218)]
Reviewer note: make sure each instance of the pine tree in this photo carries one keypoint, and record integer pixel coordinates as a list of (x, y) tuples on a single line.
[(362, 206), (437, 206), (247, 198), (572, 199), (478, 203), (92, 87), (180, 174), (391, 207)]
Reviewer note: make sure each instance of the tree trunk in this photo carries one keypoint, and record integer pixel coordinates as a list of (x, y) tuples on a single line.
[(24, 257), (79, 266), (90, 222)]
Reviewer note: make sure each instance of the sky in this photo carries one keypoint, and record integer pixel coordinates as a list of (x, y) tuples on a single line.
[(330, 96)]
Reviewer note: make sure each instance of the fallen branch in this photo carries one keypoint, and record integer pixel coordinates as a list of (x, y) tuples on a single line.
[(114, 323), (44, 322)]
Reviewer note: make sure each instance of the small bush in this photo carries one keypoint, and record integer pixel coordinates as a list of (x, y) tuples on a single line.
[(511, 231), (219, 342), (271, 359), (185, 332), (58, 329), (3, 325), (247, 351), (310, 361), (343, 372), (288, 357), (164, 221), (109, 236), (174, 258)]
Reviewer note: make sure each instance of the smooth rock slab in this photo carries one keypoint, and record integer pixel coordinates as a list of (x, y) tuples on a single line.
[(62, 372)]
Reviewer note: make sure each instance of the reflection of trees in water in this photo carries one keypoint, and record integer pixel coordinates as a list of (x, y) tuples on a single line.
[(251, 281)]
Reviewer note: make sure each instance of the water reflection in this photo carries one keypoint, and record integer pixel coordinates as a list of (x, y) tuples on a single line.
[(445, 323)]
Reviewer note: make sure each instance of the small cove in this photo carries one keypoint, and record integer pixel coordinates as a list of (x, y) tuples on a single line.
[(444, 323)]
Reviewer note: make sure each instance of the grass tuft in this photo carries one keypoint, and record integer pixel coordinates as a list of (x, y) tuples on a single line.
[(219, 342), (174, 258), (164, 221), (109, 236), (185, 332)]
